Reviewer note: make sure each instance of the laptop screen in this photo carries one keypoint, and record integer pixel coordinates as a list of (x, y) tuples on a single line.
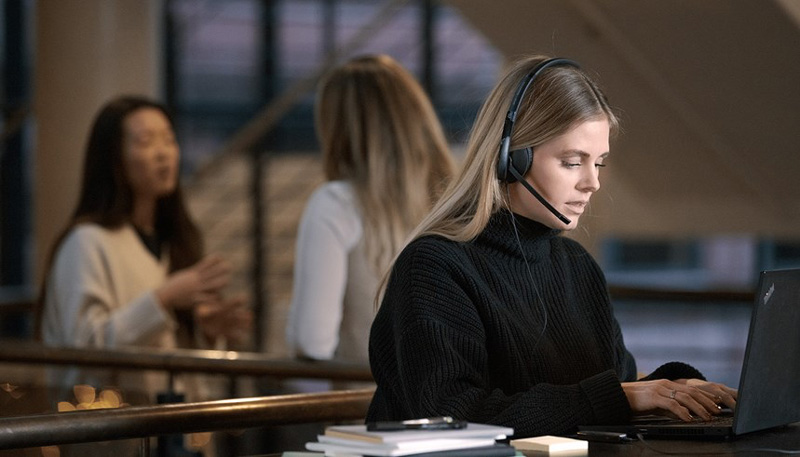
[(769, 387)]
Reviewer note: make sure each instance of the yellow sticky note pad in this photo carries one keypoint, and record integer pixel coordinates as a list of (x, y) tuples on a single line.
[(554, 445)]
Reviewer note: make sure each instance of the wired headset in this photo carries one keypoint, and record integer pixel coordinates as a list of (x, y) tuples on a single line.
[(513, 165)]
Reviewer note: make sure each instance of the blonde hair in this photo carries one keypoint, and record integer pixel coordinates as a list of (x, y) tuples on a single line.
[(560, 97), (379, 131)]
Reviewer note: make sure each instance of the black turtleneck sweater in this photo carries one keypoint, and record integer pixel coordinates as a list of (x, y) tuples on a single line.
[(464, 330)]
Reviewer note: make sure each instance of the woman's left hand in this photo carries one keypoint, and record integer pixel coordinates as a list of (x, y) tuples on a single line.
[(682, 399), (720, 393)]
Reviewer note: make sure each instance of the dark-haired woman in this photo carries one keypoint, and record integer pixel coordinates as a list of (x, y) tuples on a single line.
[(129, 270)]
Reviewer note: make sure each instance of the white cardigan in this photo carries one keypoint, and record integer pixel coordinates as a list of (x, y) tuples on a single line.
[(100, 294)]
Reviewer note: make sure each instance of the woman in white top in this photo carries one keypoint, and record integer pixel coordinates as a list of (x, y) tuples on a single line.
[(129, 270), (386, 161)]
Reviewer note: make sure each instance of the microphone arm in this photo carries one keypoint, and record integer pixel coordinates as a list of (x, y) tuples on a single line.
[(538, 196)]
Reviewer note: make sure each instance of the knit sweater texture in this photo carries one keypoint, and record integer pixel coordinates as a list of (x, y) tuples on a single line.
[(514, 328)]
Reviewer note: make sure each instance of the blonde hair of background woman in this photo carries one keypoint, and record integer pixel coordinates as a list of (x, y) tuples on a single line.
[(560, 98), (379, 131)]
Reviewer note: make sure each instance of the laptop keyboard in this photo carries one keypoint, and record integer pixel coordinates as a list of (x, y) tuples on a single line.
[(721, 420), (715, 420)]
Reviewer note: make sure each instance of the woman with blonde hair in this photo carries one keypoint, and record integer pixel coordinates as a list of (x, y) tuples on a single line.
[(489, 314), (386, 160)]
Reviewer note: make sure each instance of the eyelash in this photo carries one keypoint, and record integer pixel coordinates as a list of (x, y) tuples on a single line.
[(574, 165)]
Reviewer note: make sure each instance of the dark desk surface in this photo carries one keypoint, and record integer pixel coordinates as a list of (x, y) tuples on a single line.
[(784, 438)]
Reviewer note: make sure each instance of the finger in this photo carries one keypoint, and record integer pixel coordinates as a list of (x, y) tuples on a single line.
[(734, 393), (680, 403), (676, 410), (212, 267), (666, 399), (691, 403), (708, 395), (233, 304), (208, 298), (217, 270), (214, 283), (212, 263), (707, 400), (208, 262), (728, 398), (723, 395), (228, 308), (723, 398)]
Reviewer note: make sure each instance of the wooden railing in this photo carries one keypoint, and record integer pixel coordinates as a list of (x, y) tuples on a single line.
[(181, 361), (146, 421)]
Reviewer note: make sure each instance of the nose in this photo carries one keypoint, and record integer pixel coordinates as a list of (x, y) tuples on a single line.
[(590, 180), (165, 148)]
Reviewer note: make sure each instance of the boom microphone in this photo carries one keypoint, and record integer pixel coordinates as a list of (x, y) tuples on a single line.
[(538, 196)]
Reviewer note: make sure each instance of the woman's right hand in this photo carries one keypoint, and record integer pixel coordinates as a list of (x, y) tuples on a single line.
[(196, 284), (671, 398)]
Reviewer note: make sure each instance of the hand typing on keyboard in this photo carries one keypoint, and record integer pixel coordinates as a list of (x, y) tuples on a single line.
[(684, 399)]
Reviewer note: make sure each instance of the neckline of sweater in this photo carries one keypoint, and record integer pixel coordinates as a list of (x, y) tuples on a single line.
[(534, 236)]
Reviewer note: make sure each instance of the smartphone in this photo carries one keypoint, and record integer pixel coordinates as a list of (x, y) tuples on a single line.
[(429, 423)]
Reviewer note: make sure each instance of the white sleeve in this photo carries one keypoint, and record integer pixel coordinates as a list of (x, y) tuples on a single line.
[(81, 308), (329, 229)]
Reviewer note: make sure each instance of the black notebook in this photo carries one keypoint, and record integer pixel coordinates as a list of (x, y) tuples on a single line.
[(769, 390)]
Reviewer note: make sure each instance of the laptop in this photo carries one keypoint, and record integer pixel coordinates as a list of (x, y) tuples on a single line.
[(769, 386)]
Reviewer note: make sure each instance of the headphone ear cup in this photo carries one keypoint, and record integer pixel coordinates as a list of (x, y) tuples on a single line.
[(521, 160)]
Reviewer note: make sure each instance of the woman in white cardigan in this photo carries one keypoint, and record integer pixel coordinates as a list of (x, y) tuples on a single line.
[(129, 270)]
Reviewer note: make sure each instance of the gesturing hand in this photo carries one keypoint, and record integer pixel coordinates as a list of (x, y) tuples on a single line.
[(226, 318), (199, 283), (680, 399)]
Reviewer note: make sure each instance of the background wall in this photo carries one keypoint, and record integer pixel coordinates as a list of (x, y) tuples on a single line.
[(707, 91), (708, 94), (85, 52)]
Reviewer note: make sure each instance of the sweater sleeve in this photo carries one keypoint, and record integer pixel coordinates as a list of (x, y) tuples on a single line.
[(81, 308), (430, 357), (673, 371), (329, 229)]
